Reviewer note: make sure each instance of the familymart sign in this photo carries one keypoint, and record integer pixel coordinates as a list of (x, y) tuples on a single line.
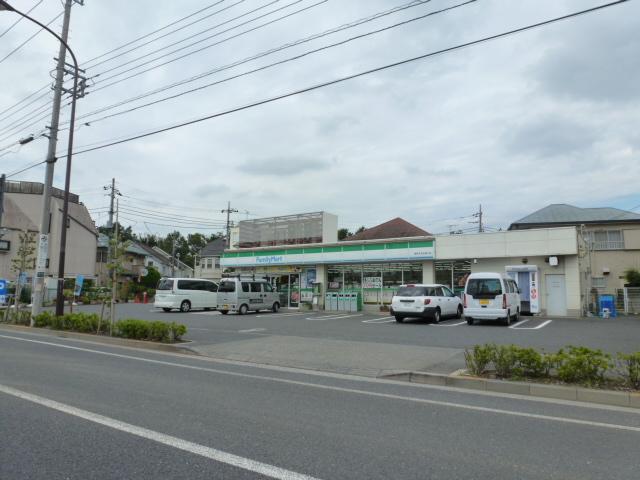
[(378, 252)]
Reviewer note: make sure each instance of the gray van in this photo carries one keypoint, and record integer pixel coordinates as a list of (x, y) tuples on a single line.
[(242, 295)]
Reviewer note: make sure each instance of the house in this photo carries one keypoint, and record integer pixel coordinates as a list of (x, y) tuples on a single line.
[(171, 267), (396, 228), (609, 238), (209, 260), (22, 211)]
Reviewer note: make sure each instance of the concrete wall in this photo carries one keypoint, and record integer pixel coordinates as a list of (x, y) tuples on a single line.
[(428, 272)]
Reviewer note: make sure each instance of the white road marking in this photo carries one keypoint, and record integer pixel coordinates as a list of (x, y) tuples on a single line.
[(206, 313), (380, 320), (447, 324), (278, 315), (252, 330), (332, 317), (537, 327), (169, 440), (390, 396), (521, 322)]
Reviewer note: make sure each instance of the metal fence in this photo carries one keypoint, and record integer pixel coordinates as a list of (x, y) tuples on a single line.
[(628, 300)]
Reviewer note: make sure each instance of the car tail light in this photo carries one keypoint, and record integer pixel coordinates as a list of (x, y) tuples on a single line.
[(427, 301), (504, 301)]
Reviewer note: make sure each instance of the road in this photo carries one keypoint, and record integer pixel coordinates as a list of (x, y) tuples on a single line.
[(74, 410), (374, 344)]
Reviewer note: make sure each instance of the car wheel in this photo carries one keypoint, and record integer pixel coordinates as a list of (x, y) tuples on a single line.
[(399, 319), (207, 309), (275, 308), (459, 313), (507, 321), (166, 310), (224, 312), (185, 306), (243, 309), (469, 321), (517, 317), (436, 316)]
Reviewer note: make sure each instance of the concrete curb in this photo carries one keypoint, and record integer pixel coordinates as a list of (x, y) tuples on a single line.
[(589, 395), (88, 337)]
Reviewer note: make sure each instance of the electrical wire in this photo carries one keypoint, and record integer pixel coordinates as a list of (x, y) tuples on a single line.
[(271, 65), (24, 100), (169, 207), (19, 19), (186, 219), (31, 115), (13, 174), (267, 53), (30, 38), (358, 75)]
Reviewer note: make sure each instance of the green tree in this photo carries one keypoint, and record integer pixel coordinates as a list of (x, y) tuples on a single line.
[(124, 233), (343, 233), (23, 262), (152, 278), (632, 275)]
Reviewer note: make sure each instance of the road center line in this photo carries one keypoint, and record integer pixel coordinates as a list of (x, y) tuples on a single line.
[(391, 396), (169, 440)]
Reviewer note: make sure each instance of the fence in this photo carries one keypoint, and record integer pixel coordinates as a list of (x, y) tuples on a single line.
[(629, 299)]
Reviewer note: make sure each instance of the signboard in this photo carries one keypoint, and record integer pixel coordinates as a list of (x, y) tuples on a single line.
[(78, 288), (372, 282), (43, 253), (3, 290), (308, 277), (22, 278)]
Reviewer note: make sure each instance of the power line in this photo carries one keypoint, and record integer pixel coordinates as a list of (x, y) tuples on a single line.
[(19, 19), (356, 75), (170, 217), (166, 206), (9, 115), (267, 53), (31, 115), (147, 62), (131, 42), (30, 38), (13, 174)]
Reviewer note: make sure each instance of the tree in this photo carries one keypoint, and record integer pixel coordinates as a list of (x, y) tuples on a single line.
[(125, 233), (23, 262), (152, 278), (632, 276), (343, 233)]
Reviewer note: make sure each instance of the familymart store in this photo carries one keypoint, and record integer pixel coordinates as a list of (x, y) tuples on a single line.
[(370, 271)]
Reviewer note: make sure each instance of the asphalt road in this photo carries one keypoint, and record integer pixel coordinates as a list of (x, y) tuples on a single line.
[(74, 410), (374, 344)]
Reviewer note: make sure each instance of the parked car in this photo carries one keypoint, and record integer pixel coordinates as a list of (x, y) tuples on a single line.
[(425, 301), (242, 295), (186, 294), (491, 296)]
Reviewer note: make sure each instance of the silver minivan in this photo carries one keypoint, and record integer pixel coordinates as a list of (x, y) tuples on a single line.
[(185, 294), (242, 295), (491, 296)]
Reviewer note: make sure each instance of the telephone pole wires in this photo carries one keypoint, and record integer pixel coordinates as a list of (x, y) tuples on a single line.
[(229, 211)]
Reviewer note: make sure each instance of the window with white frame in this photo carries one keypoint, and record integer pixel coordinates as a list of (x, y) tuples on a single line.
[(606, 239), (599, 282), (217, 262), (209, 262)]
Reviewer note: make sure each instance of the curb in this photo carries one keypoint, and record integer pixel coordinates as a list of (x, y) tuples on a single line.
[(89, 337), (561, 392)]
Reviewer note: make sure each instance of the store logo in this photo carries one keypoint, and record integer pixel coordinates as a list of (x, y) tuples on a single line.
[(271, 259)]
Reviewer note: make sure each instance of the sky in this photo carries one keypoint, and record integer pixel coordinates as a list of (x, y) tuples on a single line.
[(547, 116)]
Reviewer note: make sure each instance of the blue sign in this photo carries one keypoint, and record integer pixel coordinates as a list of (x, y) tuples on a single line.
[(78, 288), (3, 290)]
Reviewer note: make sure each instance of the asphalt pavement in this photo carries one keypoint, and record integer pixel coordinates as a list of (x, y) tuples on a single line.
[(74, 410), (373, 344)]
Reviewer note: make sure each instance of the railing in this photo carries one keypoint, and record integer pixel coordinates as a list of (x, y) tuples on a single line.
[(608, 245), (631, 299)]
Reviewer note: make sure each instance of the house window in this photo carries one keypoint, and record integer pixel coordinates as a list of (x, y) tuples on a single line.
[(209, 262), (101, 256), (598, 282), (150, 264), (606, 240), (217, 262), (5, 245)]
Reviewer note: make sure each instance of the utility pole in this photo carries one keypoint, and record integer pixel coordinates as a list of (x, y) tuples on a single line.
[(113, 193), (173, 258), (114, 275), (229, 211), (45, 227), (3, 179), (480, 226)]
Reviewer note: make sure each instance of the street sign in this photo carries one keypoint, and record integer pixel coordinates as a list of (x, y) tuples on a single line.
[(3, 290), (43, 253)]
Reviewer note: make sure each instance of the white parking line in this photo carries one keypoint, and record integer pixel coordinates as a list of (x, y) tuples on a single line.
[(331, 317), (252, 330), (280, 315), (537, 327), (448, 324), (162, 438), (521, 322), (380, 320)]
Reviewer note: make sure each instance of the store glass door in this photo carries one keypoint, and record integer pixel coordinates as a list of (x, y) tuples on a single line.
[(294, 290)]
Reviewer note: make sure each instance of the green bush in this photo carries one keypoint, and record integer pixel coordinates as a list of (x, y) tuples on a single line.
[(178, 330), (132, 328), (22, 317), (629, 364), (156, 331), (582, 365), (479, 358), (505, 358), (531, 363)]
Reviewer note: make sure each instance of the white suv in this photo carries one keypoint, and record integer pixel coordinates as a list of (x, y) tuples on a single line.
[(425, 301)]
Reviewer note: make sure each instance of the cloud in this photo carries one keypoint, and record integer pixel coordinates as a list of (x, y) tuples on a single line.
[(283, 166)]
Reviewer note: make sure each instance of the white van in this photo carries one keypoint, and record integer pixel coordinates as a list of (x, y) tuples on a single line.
[(241, 295), (425, 301), (491, 296), (185, 294)]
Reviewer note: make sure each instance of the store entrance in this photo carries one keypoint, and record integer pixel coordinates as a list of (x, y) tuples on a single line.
[(288, 286)]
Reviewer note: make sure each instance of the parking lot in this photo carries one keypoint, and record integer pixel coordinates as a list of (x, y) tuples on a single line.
[(374, 344)]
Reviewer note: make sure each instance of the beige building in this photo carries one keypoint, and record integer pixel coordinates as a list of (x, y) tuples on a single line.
[(208, 265), (609, 239), (22, 211)]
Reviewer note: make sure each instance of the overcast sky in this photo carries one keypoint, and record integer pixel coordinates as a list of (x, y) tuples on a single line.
[(546, 116)]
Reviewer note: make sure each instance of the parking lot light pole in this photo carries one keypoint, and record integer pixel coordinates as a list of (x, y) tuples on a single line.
[(67, 183)]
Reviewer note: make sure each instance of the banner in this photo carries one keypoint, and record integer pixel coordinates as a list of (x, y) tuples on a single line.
[(78, 288)]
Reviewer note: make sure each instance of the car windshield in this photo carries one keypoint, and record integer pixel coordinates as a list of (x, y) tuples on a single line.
[(165, 284), (416, 292), (484, 286)]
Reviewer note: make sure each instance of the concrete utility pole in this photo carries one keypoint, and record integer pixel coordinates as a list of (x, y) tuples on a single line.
[(113, 196), (114, 275), (45, 227), (3, 179), (173, 258), (229, 211), (480, 226)]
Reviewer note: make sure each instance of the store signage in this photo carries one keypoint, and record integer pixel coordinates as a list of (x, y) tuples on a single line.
[(372, 282), (393, 251), (43, 253)]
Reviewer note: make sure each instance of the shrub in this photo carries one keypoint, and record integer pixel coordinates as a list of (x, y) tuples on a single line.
[(178, 330), (629, 364), (531, 363), (43, 319), (582, 365), (477, 359), (505, 358), (132, 328)]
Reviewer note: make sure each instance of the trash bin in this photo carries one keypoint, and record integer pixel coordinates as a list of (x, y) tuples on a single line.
[(353, 302), (607, 302), (331, 301), (341, 302)]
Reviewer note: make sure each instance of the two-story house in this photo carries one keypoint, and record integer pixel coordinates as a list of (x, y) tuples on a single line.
[(208, 265)]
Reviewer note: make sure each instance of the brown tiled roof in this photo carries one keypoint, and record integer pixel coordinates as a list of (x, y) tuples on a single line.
[(396, 228)]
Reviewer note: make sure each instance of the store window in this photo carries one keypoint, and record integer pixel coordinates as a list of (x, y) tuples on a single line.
[(412, 273), (334, 278)]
